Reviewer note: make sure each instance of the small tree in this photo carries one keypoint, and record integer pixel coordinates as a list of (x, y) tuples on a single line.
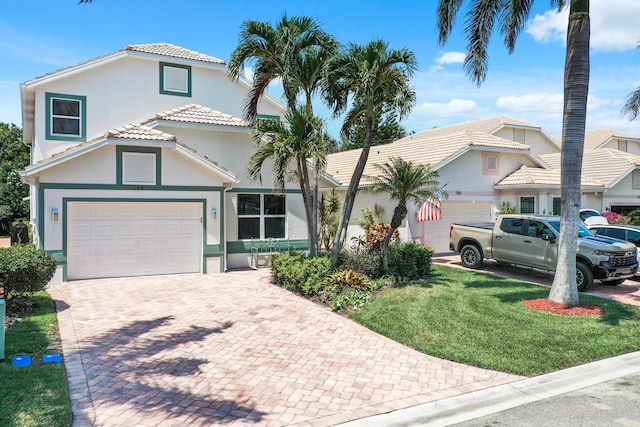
[(370, 216), (24, 270), (329, 217)]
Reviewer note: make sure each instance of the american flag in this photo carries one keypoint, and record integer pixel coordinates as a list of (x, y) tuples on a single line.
[(431, 210)]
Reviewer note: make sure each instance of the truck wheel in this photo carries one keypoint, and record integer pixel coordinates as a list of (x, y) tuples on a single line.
[(471, 257), (584, 276)]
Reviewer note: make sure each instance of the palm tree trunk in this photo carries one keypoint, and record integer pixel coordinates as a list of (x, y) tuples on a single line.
[(576, 89), (352, 191), (399, 214), (308, 204)]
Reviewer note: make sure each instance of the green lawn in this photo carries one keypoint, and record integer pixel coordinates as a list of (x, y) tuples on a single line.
[(36, 395), (479, 319)]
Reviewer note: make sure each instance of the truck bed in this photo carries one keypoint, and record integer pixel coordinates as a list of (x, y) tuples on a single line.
[(487, 225)]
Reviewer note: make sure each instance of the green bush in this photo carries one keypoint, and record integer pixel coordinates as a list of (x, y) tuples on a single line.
[(409, 261), (346, 289), (299, 273), (25, 270), (365, 261)]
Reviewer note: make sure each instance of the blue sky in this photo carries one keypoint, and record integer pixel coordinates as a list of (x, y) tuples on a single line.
[(40, 36)]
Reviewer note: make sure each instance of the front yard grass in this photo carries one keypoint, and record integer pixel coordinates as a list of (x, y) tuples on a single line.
[(35, 395), (479, 319)]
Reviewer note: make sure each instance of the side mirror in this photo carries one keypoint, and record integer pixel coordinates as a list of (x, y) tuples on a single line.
[(549, 238)]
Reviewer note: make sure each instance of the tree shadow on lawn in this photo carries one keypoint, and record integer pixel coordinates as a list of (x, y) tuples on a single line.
[(125, 366)]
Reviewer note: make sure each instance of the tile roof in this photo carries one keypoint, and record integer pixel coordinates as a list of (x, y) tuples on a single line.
[(138, 131), (162, 49), (597, 137), (194, 113), (490, 125), (416, 148), (604, 165), (531, 176), (167, 49)]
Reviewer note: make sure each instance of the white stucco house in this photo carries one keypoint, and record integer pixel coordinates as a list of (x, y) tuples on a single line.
[(138, 167), (485, 163)]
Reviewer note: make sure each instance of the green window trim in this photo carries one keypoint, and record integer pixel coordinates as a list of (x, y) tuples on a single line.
[(120, 150), (81, 117), (164, 66)]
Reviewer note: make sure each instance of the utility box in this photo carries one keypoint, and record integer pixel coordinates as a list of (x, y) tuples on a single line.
[(3, 315)]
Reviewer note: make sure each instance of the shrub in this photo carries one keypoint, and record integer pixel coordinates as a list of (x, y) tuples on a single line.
[(614, 218), (345, 289), (376, 234), (634, 217), (409, 261), (299, 273), (25, 270), (365, 261)]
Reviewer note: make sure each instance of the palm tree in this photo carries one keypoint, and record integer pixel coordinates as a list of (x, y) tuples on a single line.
[(406, 183), (369, 79), (288, 146), (632, 105), (295, 51), (329, 217), (288, 51), (512, 16)]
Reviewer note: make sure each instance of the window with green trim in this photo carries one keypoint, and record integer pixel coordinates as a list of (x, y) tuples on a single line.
[(557, 202), (261, 216), (175, 79), (527, 205), (66, 117)]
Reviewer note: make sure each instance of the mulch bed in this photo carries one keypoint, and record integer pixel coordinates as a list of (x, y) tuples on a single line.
[(547, 306)]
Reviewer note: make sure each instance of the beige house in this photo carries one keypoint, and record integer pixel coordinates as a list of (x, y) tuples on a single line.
[(488, 162)]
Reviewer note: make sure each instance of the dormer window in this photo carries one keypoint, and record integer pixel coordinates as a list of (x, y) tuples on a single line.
[(175, 79), (66, 116)]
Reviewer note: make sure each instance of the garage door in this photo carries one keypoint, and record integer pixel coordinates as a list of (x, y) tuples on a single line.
[(436, 233), (116, 239)]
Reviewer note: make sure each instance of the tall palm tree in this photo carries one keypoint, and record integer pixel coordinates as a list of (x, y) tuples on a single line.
[(512, 16), (406, 183), (288, 146), (280, 52), (631, 106), (295, 51), (367, 79)]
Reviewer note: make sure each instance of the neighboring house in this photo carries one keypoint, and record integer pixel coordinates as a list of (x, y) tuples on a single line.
[(608, 138), (486, 163), (138, 167)]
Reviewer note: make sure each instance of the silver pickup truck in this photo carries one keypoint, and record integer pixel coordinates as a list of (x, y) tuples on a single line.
[(532, 241)]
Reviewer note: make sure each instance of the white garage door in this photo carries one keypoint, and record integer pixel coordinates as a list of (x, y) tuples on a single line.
[(436, 233), (119, 239)]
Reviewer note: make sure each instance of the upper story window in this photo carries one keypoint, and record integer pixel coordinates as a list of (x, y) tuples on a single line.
[(261, 216), (519, 135), (491, 164), (636, 178), (66, 117), (622, 146), (175, 79)]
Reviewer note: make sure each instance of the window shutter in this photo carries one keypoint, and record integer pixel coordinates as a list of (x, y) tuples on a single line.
[(139, 168)]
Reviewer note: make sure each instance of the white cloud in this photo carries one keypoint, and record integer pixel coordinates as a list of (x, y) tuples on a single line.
[(453, 107), (445, 58), (531, 102), (615, 25)]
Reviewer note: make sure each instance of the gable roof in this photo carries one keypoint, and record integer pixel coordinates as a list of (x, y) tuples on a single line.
[(421, 148), (170, 50), (489, 125), (597, 138), (531, 177), (604, 165), (131, 134), (197, 114)]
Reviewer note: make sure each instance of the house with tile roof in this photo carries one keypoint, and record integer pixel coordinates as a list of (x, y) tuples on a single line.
[(608, 138), (486, 163), (138, 167)]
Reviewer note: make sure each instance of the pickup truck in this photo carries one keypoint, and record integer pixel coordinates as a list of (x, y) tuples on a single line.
[(531, 241)]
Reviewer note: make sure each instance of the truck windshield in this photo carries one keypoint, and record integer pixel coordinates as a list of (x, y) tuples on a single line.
[(582, 230)]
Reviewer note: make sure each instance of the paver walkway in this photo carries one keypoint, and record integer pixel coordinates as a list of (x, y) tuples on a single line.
[(232, 349)]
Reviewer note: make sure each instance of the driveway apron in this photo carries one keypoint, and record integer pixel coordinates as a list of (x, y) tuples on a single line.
[(233, 349)]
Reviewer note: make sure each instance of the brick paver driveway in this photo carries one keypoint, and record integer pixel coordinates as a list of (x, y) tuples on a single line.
[(232, 349)]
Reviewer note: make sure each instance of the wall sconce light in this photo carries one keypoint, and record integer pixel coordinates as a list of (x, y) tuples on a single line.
[(55, 215), (214, 214)]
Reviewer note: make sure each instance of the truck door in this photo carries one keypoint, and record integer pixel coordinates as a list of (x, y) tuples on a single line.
[(506, 244), (540, 251)]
